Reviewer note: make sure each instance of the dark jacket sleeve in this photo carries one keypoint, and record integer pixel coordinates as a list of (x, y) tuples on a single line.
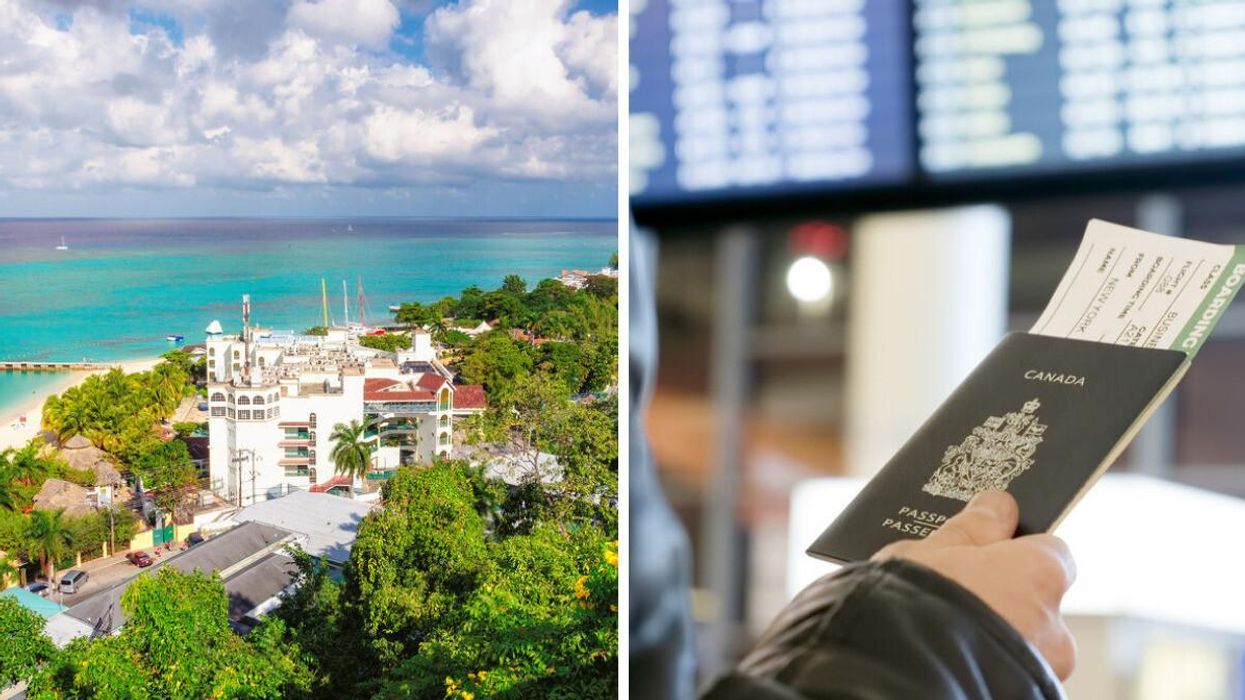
[(660, 652), (894, 629)]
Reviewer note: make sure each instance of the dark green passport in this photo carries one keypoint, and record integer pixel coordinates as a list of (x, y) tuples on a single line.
[(1041, 417)]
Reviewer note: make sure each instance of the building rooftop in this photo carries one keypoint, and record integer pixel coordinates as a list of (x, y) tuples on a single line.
[(469, 396), (257, 584), (328, 523), (58, 494), (381, 389), (44, 607), (229, 553)]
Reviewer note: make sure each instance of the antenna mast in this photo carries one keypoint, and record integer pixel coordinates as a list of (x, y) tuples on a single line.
[(324, 303), (246, 338), (360, 304), (345, 304)]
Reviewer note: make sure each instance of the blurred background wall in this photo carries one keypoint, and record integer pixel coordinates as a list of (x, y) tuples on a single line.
[(854, 201)]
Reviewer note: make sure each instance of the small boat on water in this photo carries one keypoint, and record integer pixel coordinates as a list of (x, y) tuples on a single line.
[(63, 245), (173, 338)]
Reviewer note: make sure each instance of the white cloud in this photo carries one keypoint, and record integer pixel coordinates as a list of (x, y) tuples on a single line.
[(516, 90), (366, 22), (396, 135), (513, 51)]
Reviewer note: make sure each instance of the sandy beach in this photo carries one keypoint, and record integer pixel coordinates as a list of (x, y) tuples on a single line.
[(14, 434)]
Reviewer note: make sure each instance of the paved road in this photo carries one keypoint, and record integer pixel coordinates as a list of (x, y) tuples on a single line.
[(104, 573)]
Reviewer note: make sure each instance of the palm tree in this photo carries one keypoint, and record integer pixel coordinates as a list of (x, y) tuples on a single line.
[(7, 570), (8, 485), (75, 419), (167, 383), (25, 464), (48, 536), (53, 415), (352, 449)]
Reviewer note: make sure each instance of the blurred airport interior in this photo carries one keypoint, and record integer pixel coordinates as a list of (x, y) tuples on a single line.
[(854, 202)]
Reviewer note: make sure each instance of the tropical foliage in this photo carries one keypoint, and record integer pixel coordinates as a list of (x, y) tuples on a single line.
[(390, 342), (571, 333), (23, 645), (118, 411), (48, 536), (438, 603), (165, 465), (352, 448), (176, 644)]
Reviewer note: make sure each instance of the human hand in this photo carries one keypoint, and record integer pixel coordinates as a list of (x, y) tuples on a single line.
[(1022, 579)]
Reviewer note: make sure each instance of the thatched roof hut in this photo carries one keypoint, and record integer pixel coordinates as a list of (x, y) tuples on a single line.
[(58, 494), (81, 454)]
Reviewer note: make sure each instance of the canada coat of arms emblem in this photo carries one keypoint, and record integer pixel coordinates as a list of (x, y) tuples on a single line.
[(996, 452)]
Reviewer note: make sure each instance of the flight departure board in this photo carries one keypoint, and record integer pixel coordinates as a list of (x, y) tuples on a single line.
[(732, 97), (915, 99), (1058, 86)]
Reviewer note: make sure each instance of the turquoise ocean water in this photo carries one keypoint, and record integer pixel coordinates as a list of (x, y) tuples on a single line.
[(124, 285)]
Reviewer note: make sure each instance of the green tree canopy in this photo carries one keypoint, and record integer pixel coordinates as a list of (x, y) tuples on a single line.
[(24, 647), (389, 342), (118, 411), (514, 284), (177, 644), (438, 604), (165, 465), (497, 361)]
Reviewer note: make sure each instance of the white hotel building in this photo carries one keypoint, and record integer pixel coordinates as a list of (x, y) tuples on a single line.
[(274, 398)]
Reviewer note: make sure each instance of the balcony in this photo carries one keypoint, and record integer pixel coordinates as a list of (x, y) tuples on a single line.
[(295, 461), (300, 442), (391, 429), (376, 408)]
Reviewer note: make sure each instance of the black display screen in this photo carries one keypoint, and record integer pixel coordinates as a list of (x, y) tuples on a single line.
[(734, 97), (1055, 87)]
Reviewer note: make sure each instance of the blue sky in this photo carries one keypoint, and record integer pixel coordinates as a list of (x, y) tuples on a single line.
[(309, 108)]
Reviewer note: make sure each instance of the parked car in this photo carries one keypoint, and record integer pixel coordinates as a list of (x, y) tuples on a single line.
[(193, 539), (73, 580), (139, 558), (39, 588)]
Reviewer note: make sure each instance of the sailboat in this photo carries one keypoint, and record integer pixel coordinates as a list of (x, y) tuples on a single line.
[(63, 245)]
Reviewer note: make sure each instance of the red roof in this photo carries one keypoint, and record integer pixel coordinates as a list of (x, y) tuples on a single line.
[(431, 381), (377, 384), (337, 480), (391, 390), (469, 396)]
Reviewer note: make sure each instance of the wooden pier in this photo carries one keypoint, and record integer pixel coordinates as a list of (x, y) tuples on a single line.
[(23, 366)]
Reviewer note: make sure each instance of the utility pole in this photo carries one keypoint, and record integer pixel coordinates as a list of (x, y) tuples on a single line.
[(241, 455), (253, 459)]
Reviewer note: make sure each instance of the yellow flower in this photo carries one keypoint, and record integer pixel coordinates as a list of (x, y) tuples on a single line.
[(466, 695), (581, 590), (611, 558)]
